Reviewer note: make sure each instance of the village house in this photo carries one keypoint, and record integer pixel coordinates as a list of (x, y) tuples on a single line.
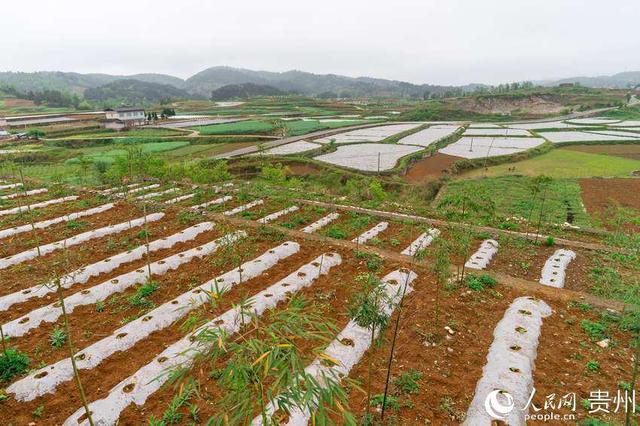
[(121, 118)]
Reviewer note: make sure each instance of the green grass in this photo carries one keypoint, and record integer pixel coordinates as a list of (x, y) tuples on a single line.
[(303, 127), (625, 113), (295, 128), (108, 154), (512, 197), (146, 133), (562, 163), (240, 127)]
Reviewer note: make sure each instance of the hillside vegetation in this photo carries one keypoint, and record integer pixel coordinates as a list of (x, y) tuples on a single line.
[(531, 102), (244, 91), (134, 92)]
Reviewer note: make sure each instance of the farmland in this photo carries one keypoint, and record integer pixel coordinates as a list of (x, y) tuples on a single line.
[(282, 268)]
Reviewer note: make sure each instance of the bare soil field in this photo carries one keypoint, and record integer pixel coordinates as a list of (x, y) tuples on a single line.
[(622, 150), (444, 333), (430, 168), (597, 193)]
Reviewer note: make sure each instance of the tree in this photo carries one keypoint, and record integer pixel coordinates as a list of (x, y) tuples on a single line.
[(541, 185), (441, 268), (461, 204), (263, 363), (367, 310)]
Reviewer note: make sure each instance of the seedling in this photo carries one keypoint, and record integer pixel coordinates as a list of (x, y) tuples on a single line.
[(37, 413), (408, 382), (58, 337), (139, 299), (593, 366)]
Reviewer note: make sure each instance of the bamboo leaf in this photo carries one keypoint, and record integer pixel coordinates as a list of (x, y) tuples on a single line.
[(260, 358)]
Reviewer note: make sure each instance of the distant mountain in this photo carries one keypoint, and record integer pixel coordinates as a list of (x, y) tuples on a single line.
[(304, 83), (623, 80), (309, 84), (244, 91), (74, 82), (134, 92), (158, 78)]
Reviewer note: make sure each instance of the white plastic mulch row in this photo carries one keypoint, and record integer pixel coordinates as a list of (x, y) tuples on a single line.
[(627, 123), (157, 194), (507, 379), (430, 135), (243, 207), (369, 134), (180, 198), (43, 204), (109, 264), (616, 132), (273, 216), (540, 125), (481, 258), (147, 380), (119, 188), (212, 203), (496, 132), (10, 186), (560, 137), (484, 126), (592, 121), (140, 189), (75, 240), (347, 348), (371, 233), (320, 223), (554, 269), (46, 223), (25, 194), (480, 147), (368, 156), (290, 148), (98, 292), (46, 379), (422, 242)]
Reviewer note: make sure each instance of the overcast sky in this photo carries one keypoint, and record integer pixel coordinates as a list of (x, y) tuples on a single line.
[(422, 41)]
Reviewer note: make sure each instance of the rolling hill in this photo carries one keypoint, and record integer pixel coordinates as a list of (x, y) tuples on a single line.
[(621, 80), (134, 92)]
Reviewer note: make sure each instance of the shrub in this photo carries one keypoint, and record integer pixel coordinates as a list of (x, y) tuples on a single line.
[(549, 241), (480, 282), (276, 173), (391, 402), (337, 233), (12, 363)]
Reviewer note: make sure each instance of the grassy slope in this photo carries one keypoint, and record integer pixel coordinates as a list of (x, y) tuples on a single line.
[(561, 163), (298, 127), (513, 198), (108, 153), (107, 133)]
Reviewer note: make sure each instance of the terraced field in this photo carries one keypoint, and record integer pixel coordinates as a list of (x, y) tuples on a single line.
[(161, 298)]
